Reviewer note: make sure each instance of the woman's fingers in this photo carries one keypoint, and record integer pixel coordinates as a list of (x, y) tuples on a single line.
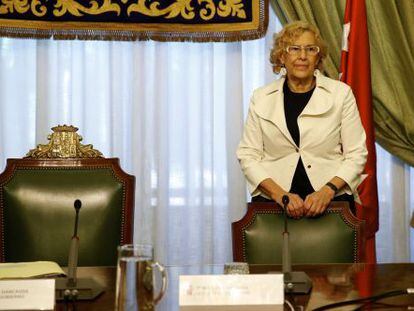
[(295, 207), (315, 204)]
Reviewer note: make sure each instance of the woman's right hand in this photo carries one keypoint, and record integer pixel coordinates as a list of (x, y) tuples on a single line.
[(295, 207)]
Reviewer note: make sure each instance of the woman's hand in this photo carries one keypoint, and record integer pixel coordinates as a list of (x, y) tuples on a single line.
[(317, 202), (295, 208)]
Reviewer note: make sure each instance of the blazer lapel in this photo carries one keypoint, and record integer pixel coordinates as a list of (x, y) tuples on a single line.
[(321, 100), (318, 104), (271, 108)]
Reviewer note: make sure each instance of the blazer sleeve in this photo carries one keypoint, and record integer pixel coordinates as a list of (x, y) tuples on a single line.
[(250, 151), (353, 141)]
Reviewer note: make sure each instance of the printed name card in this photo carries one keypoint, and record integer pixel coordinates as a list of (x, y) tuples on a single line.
[(27, 295), (244, 292)]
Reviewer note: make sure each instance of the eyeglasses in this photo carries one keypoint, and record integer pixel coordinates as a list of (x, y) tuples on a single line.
[(295, 50)]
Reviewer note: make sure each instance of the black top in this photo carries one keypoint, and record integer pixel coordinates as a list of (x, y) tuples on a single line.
[(294, 104)]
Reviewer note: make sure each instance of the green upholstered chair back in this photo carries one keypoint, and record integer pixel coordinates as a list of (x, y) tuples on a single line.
[(334, 237), (37, 213)]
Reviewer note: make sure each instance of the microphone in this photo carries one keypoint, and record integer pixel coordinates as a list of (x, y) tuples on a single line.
[(74, 248), (296, 282), (72, 288)]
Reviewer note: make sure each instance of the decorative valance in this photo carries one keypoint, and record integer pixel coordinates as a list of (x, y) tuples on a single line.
[(162, 20)]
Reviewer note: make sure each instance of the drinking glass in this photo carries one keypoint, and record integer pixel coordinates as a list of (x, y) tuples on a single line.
[(135, 278)]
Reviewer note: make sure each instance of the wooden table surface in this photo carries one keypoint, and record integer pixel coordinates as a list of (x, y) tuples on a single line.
[(331, 283)]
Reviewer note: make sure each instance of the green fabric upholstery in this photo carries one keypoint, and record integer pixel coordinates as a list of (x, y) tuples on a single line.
[(38, 214), (334, 237)]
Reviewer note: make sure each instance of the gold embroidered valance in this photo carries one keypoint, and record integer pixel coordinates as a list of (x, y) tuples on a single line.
[(162, 20)]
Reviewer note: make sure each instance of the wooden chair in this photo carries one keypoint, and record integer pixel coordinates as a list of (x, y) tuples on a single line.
[(37, 197), (335, 237)]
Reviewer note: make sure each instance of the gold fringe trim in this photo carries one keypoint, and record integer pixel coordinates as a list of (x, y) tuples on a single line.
[(141, 36)]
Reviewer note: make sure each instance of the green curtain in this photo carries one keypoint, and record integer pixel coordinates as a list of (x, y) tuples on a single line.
[(391, 31)]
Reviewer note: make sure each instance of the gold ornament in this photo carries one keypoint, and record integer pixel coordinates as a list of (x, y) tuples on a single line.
[(64, 142)]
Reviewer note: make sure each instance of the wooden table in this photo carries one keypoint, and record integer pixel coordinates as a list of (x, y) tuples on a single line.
[(331, 283), (106, 276)]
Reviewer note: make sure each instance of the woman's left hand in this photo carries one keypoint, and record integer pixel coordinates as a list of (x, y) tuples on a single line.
[(317, 202)]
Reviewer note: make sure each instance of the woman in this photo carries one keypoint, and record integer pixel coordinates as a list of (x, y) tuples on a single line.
[(303, 135)]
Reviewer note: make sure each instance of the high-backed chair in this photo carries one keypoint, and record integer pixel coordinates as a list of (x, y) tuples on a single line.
[(37, 197), (335, 237)]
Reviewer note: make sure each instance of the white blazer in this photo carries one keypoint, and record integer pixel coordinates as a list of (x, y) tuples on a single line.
[(332, 139)]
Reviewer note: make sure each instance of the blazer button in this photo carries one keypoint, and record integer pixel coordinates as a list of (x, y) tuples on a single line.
[(296, 149), (309, 166)]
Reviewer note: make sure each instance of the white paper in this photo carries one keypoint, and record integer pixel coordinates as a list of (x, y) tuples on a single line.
[(247, 292), (14, 270), (27, 295)]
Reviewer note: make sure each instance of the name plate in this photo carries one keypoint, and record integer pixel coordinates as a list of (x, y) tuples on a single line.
[(27, 295), (258, 292)]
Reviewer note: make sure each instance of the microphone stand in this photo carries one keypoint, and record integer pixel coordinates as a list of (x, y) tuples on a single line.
[(74, 247), (71, 288), (296, 282)]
